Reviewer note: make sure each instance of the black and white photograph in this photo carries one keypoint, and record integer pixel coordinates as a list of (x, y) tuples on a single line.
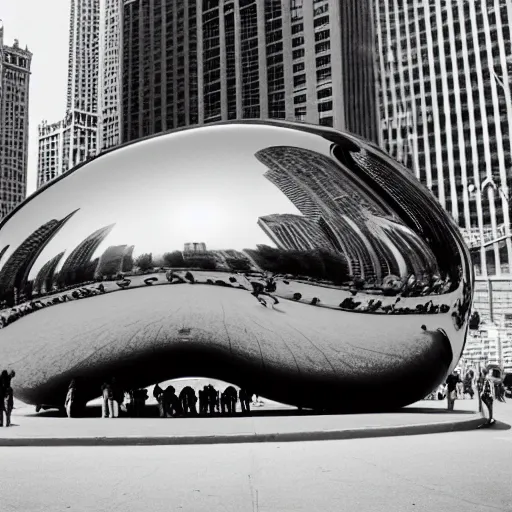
[(272, 239)]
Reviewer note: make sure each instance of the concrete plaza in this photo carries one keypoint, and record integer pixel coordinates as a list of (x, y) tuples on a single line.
[(446, 472)]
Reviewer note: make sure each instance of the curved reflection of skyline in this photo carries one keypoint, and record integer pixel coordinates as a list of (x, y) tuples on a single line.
[(349, 203), (340, 215)]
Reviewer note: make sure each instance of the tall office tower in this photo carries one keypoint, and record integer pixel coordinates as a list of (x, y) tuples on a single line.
[(76, 135), (109, 130), (446, 113), (189, 62), (14, 89)]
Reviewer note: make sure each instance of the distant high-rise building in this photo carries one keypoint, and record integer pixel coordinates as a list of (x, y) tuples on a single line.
[(111, 261), (186, 62), (14, 104), (44, 279), (109, 130), (77, 267), (194, 247), (446, 112), (75, 138), (15, 271)]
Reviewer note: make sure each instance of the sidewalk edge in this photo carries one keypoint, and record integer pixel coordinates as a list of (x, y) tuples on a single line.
[(276, 437)]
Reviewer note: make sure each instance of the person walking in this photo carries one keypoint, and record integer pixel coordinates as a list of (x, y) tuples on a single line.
[(70, 399), (6, 396), (488, 395), (451, 390)]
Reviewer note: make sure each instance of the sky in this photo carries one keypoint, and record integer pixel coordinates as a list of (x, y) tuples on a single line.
[(43, 26), (202, 185)]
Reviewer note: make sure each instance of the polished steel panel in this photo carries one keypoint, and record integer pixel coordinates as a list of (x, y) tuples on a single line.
[(297, 261)]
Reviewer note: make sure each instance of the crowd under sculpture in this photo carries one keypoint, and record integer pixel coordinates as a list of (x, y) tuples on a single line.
[(293, 260)]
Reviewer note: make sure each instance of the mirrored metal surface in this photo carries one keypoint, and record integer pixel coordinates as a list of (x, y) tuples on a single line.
[(297, 261)]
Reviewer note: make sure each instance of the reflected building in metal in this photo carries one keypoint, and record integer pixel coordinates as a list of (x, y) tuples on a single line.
[(302, 262)]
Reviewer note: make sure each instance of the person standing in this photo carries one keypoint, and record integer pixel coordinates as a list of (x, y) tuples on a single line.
[(6, 396), (488, 395), (107, 405), (70, 399), (158, 394), (451, 390), (245, 400)]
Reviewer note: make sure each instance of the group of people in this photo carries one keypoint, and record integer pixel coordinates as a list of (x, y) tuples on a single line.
[(487, 387), (211, 401), (6, 396), (375, 306), (9, 316), (208, 401)]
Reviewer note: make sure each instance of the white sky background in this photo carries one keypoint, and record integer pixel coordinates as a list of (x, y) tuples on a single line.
[(43, 26)]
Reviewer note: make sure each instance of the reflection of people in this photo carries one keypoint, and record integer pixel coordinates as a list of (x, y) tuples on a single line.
[(259, 289)]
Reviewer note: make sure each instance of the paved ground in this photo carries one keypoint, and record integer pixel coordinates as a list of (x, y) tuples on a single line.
[(268, 423), (451, 472)]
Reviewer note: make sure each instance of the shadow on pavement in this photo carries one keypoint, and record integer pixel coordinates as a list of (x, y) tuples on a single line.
[(151, 411)]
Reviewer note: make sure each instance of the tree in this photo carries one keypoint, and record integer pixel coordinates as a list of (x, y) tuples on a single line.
[(173, 259), (145, 262)]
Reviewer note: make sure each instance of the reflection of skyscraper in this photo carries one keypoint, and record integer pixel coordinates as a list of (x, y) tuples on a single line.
[(418, 210), (44, 278), (326, 193), (111, 261), (127, 264), (78, 262), (197, 247), (3, 251), (15, 271), (293, 232)]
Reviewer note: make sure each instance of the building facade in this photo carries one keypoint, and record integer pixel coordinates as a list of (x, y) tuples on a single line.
[(446, 111), (445, 69), (78, 132), (191, 62), (109, 130), (14, 104)]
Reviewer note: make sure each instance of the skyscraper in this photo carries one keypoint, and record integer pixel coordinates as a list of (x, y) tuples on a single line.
[(75, 138), (14, 103), (186, 62), (446, 112), (109, 130)]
